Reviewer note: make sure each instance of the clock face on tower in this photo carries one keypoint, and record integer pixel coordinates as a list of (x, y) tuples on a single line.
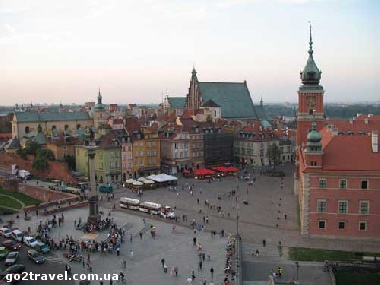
[(311, 102)]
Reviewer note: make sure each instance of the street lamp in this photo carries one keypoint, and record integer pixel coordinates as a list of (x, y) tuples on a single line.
[(237, 225), (297, 267)]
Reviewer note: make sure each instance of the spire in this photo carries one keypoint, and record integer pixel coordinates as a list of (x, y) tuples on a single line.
[(261, 101), (310, 44), (310, 75), (99, 97), (194, 72)]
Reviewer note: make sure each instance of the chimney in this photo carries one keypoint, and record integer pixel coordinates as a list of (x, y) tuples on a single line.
[(366, 121), (375, 141), (351, 121)]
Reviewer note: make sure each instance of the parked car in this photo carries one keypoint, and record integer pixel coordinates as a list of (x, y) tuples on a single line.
[(11, 258), (42, 247), (36, 256), (30, 241), (17, 235), (14, 269), (106, 189), (11, 244), (5, 232), (3, 252)]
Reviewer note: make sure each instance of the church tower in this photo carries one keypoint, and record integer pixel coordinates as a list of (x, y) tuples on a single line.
[(310, 99), (100, 116), (193, 100)]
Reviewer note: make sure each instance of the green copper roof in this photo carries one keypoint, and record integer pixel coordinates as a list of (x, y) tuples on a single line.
[(177, 102), (40, 139), (233, 98), (310, 74), (265, 123), (24, 117)]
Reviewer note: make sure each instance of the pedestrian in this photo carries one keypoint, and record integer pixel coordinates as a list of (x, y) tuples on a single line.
[(131, 253), (130, 238), (176, 271), (194, 241), (257, 252), (200, 264), (118, 251), (212, 272), (162, 262), (165, 268), (192, 275), (264, 242), (88, 258), (141, 235), (83, 262)]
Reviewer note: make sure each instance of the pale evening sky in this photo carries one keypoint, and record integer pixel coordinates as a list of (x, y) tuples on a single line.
[(135, 50)]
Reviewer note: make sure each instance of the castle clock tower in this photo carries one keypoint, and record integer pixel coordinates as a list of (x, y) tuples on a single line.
[(310, 99)]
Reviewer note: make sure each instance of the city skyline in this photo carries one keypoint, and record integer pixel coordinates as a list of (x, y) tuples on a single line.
[(136, 51)]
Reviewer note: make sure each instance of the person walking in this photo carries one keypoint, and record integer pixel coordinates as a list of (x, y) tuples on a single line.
[(165, 268), (194, 241), (131, 253), (200, 265), (212, 272), (163, 262)]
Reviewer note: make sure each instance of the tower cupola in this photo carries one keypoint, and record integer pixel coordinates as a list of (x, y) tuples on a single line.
[(310, 75), (314, 138)]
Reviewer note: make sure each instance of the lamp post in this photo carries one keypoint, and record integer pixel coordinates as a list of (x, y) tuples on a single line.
[(297, 267)]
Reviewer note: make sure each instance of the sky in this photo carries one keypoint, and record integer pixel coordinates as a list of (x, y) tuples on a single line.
[(138, 50)]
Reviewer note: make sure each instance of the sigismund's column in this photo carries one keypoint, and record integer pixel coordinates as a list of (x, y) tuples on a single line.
[(93, 216)]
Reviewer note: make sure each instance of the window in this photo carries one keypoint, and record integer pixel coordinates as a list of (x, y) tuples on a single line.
[(341, 225), (112, 164), (364, 205), (142, 162), (136, 154), (313, 163), (343, 184), (342, 207), (321, 224), (364, 184), (321, 205), (362, 226), (27, 130), (322, 183)]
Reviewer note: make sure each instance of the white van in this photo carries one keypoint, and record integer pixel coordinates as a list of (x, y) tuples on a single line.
[(17, 235)]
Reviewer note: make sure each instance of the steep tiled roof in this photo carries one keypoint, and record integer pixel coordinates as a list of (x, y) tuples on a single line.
[(132, 125), (363, 124), (23, 117), (233, 98), (350, 153), (177, 102), (109, 141)]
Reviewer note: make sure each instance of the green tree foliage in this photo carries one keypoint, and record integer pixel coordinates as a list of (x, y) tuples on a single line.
[(70, 160), (6, 123), (31, 148), (40, 163), (274, 153), (46, 153)]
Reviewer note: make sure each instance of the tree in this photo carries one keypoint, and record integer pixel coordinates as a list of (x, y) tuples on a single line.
[(70, 160), (47, 153), (274, 153), (40, 163)]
